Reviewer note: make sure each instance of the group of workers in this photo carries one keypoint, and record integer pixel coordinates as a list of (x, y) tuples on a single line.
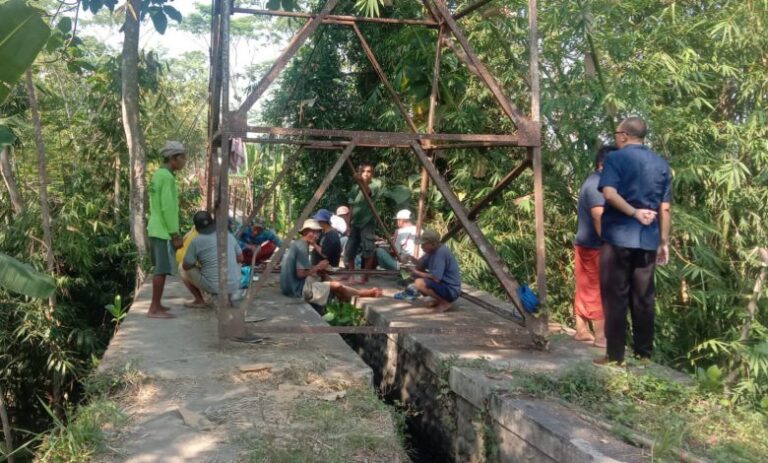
[(624, 219), (326, 241)]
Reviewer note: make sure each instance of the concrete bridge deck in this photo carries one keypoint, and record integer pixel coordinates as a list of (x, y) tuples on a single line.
[(307, 397)]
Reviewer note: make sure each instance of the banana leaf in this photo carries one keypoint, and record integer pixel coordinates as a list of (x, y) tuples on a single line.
[(19, 277), (23, 33)]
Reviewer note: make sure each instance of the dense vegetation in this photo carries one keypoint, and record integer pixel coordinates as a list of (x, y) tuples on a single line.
[(696, 70)]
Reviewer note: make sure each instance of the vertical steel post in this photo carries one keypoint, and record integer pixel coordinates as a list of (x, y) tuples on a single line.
[(231, 320), (537, 325)]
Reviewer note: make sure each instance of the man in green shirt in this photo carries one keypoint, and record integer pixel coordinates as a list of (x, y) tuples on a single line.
[(362, 237), (163, 226)]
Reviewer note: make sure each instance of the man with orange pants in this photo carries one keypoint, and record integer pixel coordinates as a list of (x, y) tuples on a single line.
[(587, 304)]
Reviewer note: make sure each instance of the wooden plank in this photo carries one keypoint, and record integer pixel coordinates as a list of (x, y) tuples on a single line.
[(386, 138)]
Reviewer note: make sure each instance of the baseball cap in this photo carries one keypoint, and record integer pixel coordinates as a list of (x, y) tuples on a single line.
[(323, 215), (311, 224), (403, 214), (204, 223), (342, 210), (172, 148), (429, 237)]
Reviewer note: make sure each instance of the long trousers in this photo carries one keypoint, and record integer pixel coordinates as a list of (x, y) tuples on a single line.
[(626, 283)]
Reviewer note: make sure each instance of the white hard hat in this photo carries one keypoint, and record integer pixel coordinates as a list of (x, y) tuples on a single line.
[(404, 214)]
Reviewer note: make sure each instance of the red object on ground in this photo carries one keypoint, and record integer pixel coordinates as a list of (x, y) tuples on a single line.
[(587, 302), (265, 252)]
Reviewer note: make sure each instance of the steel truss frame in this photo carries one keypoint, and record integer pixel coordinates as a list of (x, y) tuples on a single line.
[(225, 123)]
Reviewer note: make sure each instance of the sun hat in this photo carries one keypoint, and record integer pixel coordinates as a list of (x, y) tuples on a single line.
[(323, 215), (311, 224), (429, 237), (172, 148), (342, 210), (403, 214), (339, 224), (204, 223)]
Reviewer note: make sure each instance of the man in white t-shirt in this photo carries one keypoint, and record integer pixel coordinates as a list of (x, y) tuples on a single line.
[(404, 240)]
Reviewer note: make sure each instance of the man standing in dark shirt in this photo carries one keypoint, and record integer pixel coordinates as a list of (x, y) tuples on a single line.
[(329, 243), (587, 304), (637, 185)]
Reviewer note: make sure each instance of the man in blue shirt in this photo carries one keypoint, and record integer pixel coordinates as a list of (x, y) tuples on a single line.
[(437, 273), (587, 304), (637, 185), (259, 241)]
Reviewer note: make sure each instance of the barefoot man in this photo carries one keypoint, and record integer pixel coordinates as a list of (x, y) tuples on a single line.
[(437, 273), (587, 306), (300, 279), (163, 225)]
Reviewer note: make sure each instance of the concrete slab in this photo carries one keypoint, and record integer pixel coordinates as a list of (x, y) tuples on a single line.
[(205, 402)]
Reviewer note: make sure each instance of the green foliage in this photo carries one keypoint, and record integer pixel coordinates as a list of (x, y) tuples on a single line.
[(672, 414), (23, 33), (343, 314), (21, 278)]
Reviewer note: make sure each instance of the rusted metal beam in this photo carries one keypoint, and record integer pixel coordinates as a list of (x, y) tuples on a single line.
[(296, 42), (372, 206), (471, 9), (278, 256), (424, 183), (265, 328), (264, 196), (385, 138), (231, 323), (383, 77), (454, 227), (524, 125), (486, 249), (335, 17), (214, 101), (539, 326)]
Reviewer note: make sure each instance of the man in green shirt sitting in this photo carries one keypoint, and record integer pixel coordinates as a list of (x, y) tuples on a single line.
[(163, 226), (362, 238)]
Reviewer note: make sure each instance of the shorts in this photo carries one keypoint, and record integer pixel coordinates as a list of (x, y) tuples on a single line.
[(163, 256), (443, 291), (363, 240), (194, 277), (316, 291)]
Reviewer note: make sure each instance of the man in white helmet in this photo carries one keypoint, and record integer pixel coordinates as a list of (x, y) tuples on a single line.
[(404, 241)]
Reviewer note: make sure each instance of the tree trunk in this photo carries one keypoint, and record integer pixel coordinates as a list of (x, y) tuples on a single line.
[(118, 165), (132, 126), (6, 426), (43, 176), (6, 169)]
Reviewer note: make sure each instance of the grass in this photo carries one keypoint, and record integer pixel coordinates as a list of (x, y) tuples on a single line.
[(358, 427), (672, 414), (81, 434)]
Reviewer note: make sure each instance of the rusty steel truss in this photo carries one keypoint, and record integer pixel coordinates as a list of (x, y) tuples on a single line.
[(226, 122)]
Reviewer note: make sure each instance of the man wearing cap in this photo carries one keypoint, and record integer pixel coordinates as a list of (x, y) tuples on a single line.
[(404, 240), (200, 268), (259, 241), (329, 245), (163, 225), (362, 238), (437, 273), (300, 279)]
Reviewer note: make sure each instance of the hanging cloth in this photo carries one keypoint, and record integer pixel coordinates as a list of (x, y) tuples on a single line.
[(236, 155)]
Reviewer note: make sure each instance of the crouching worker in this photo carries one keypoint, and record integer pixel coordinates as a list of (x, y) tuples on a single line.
[(259, 241), (199, 269), (437, 273), (300, 279)]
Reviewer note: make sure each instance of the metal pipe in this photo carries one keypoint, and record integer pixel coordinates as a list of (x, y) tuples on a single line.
[(386, 138), (471, 9)]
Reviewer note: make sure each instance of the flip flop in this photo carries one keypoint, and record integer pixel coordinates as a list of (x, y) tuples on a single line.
[(195, 305), (161, 315)]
